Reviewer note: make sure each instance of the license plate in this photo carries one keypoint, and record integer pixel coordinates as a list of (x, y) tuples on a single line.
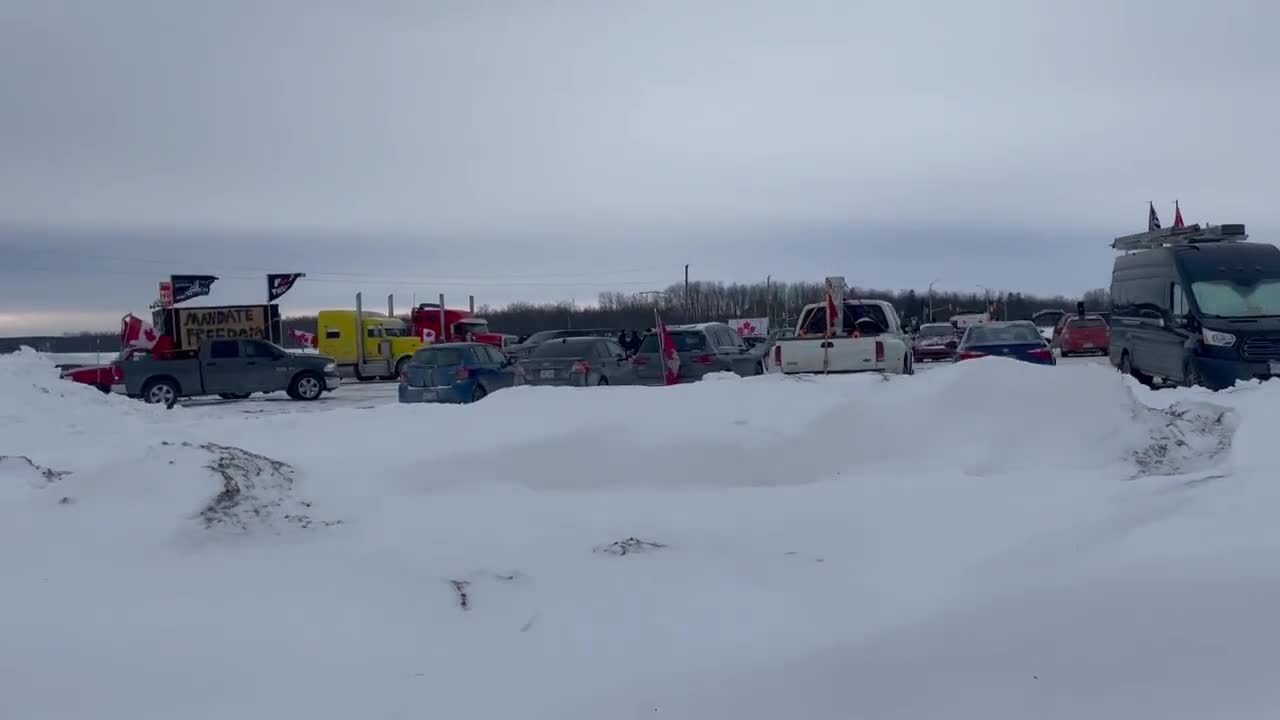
[(1275, 367), (1088, 346), (547, 374)]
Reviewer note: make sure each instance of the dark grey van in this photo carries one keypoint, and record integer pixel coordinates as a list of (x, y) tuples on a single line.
[(1194, 306)]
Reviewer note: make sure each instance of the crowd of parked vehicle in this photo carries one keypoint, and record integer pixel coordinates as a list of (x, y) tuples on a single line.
[(1189, 306)]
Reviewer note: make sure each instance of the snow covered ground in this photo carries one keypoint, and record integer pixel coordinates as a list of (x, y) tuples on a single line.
[(987, 540)]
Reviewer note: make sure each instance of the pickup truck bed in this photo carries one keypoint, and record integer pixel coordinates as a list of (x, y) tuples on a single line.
[(871, 340)]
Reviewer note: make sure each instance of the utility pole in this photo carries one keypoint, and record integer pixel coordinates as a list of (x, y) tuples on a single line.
[(768, 300), (686, 293), (931, 300)]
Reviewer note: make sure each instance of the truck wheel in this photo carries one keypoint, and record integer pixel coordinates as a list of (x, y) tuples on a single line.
[(478, 394), (401, 364), (306, 386), (161, 392)]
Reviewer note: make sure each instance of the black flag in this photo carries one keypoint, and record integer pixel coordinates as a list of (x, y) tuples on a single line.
[(280, 283), (186, 287)]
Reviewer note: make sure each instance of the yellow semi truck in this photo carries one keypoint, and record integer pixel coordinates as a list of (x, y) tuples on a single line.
[(388, 343)]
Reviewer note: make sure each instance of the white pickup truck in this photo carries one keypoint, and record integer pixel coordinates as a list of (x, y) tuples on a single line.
[(871, 338)]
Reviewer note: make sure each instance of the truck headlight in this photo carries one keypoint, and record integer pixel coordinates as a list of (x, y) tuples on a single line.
[(1218, 338), (331, 368)]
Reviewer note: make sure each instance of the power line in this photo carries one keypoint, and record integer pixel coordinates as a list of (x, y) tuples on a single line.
[(448, 281), (227, 270)]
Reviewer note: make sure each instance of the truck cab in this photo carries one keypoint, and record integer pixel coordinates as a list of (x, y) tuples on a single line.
[(389, 343), (433, 323)]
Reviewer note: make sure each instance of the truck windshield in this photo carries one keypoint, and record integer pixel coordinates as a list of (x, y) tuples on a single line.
[(1225, 298)]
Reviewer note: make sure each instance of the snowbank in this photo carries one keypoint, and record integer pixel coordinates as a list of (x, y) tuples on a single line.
[(990, 539)]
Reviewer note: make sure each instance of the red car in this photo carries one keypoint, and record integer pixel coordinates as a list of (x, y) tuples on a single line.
[(1085, 335), (102, 376), (935, 341)]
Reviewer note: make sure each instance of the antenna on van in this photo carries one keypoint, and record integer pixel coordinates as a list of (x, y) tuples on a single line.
[(1188, 235)]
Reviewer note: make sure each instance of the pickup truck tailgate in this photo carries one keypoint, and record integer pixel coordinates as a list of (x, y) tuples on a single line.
[(842, 355)]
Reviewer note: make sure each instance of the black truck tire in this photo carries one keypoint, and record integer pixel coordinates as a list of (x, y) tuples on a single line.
[(160, 391), (306, 386)]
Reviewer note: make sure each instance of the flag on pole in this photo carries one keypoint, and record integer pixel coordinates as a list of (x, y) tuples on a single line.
[(187, 287), (304, 338), (137, 333), (1177, 215), (280, 283), (667, 352), (1153, 220)]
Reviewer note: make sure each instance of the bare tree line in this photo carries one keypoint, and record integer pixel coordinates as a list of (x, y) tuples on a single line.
[(704, 301)]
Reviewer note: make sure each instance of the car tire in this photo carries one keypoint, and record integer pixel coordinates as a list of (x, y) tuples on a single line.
[(306, 386), (104, 389), (479, 393), (234, 396), (161, 392), (401, 364)]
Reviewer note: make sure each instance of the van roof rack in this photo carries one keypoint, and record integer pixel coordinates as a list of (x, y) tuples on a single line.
[(1189, 235)]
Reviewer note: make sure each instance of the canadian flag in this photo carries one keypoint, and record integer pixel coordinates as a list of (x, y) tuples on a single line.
[(136, 332), (667, 351), (304, 338)]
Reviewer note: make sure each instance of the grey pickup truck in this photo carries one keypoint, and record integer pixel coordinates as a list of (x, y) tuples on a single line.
[(231, 369)]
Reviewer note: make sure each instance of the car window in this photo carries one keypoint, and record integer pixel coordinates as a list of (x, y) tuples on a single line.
[(1086, 323), (332, 333), (496, 356), (730, 338), (437, 357), (259, 349), (224, 349), (613, 349), (564, 348), (685, 341), (1179, 301), (1001, 334)]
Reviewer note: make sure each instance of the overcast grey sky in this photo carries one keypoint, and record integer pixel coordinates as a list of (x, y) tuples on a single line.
[(558, 148)]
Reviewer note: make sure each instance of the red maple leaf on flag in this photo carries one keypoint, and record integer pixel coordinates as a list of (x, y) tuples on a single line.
[(746, 328)]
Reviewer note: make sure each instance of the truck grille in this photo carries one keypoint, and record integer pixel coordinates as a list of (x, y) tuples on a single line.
[(1261, 348)]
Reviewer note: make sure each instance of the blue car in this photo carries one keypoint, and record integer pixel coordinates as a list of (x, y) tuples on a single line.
[(1020, 340), (455, 373)]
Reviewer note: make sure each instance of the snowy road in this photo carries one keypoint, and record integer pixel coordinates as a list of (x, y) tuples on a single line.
[(754, 549)]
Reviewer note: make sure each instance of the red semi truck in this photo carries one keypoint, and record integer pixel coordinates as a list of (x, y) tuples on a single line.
[(433, 324)]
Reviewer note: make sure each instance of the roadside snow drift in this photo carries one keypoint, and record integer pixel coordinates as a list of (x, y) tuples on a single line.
[(989, 540)]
